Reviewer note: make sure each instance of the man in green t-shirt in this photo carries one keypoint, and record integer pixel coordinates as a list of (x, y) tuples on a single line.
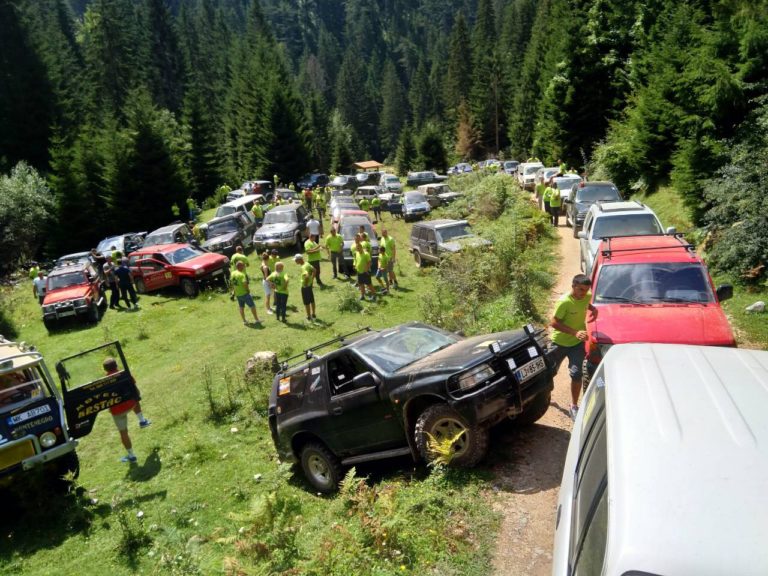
[(554, 203), (258, 213), (334, 245), (279, 282), (387, 244), (569, 333), (314, 255), (364, 204), (242, 291), (363, 268), (381, 274), (238, 256), (545, 201), (307, 279), (376, 207), (539, 189)]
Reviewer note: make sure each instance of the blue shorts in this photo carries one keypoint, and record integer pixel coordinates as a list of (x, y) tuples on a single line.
[(575, 355), (246, 300)]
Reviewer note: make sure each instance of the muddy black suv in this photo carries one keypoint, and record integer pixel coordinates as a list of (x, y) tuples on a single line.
[(383, 394)]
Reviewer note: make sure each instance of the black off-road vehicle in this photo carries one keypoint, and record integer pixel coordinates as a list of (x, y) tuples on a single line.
[(383, 393)]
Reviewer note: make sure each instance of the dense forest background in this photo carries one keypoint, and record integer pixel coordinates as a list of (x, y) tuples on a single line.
[(129, 107)]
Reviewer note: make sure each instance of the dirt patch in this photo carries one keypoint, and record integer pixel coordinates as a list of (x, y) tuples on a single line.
[(527, 464)]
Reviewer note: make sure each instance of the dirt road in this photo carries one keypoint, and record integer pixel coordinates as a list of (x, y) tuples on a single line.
[(528, 464)]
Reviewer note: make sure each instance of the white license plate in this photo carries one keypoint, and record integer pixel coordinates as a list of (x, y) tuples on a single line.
[(217, 272), (67, 313), (29, 414), (526, 371)]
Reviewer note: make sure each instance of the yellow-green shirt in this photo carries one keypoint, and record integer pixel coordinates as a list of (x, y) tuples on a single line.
[(314, 256), (271, 262), (33, 272), (572, 313), (257, 211), (239, 281), (280, 280), (237, 257), (334, 242), (388, 244), (362, 261), (307, 274), (554, 198), (383, 260)]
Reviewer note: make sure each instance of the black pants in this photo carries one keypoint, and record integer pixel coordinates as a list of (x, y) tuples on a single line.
[(554, 212), (125, 291), (316, 266), (377, 213), (337, 262), (114, 295), (281, 305)]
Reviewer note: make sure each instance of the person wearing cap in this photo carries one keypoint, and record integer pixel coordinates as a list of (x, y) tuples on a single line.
[(279, 282), (334, 245), (242, 291), (125, 282), (120, 413), (265, 272), (38, 286), (307, 293), (314, 255)]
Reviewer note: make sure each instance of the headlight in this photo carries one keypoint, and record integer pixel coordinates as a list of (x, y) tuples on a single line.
[(475, 376), (199, 271), (80, 302), (47, 439), (49, 308)]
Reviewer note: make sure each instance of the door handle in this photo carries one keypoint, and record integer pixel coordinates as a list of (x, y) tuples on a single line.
[(337, 411)]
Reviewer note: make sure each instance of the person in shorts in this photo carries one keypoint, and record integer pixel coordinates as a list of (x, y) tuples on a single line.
[(242, 292), (387, 244), (362, 263), (307, 280), (569, 333), (120, 413)]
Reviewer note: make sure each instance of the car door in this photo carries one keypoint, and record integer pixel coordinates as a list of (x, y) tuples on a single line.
[(153, 273), (431, 244), (584, 242), (363, 418)]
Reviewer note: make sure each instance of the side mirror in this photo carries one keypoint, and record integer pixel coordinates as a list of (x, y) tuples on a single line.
[(364, 380), (671, 231), (583, 235), (724, 292)]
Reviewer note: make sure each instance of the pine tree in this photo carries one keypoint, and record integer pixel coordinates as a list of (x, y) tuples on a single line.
[(164, 61), (393, 113), (405, 158), (431, 150), (458, 76)]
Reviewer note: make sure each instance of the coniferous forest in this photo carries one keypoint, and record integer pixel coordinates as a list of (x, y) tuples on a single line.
[(126, 108)]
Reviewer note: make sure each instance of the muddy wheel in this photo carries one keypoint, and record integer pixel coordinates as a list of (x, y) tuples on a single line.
[(189, 287), (417, 258), (443, 423), (535, 410), (321, 467), (141, 288)]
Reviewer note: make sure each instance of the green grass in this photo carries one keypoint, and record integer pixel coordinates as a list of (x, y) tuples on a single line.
[(208, 495)]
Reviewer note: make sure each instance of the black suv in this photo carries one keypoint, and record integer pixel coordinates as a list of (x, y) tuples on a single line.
[(582, 196), (224, 234), (313, 180), (176, 233), (434, 239), (384, 393)]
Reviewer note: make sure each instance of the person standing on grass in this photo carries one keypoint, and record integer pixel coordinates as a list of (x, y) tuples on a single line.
[(314, 227), (38, 286), (265, 272), (554, 203), (320, 204), (539, 189), (364, 204), (363, 268), (376, 206), (241, 289), (387, 245), (314, 255), (279, 283), (120, 413), (569, 333), (334, 245), (125, 282), (111, 280), (307, 279), (274, 258), (238, 256), (381, 273)]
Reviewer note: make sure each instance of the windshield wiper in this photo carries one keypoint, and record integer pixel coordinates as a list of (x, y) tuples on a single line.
[(618, 299), (675, 300)]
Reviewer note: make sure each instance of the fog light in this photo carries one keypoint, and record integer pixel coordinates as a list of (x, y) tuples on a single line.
[(47, 439)]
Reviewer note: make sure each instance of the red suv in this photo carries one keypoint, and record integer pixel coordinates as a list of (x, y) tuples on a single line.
[(181, 265), (653, 289), (73, 289)]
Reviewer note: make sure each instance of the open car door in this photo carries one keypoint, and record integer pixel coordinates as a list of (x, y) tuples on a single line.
[(88, 390)]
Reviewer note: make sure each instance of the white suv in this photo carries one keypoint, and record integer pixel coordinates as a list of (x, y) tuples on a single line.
[(611, 219), (526, 174), (667, 466)]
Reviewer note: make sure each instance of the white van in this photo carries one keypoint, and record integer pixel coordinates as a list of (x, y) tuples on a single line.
[(243, 204), (526, 174), (667, 468)]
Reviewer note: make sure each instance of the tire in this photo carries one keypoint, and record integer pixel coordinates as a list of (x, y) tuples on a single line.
[(50, 325), (141, 288), (57, 473), (441, 422), (417, 258), (535, 409), (93, 313), (299, 244), (321, 467), (189, 287)]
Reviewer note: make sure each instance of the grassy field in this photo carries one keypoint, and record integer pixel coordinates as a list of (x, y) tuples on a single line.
[(208, 495)]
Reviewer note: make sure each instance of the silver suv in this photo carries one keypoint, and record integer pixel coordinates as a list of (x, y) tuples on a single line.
[(283, 226)]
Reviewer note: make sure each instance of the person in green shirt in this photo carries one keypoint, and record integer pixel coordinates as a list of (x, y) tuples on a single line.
[(555, 201), (238, 256), (258, 213), (279, 282), (545, 200), (362, 265), (334, 245), (562, 166), (376, 207), (539, 189), (307, 279), (364, 204), (381, 274), (387, 244), (314, 256), (242, 291), (569, 333), (33, 270)]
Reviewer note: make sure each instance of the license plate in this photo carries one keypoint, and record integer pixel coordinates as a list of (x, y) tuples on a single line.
[(527, 371), (29, 414), (14, 454), (217, 272), (66, 313)]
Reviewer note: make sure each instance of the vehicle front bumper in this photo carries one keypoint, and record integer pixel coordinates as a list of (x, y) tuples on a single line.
[(260, 243), (64, 310), (26, 453)]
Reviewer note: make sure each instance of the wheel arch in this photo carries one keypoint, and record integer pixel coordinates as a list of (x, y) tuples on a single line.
[(411, 412), (303, 438)]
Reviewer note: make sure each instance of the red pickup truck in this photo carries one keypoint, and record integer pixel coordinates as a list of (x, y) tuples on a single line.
[(653, 289)]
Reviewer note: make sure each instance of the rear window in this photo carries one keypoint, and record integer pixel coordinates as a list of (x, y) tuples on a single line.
[(626, 225), (597, 193)]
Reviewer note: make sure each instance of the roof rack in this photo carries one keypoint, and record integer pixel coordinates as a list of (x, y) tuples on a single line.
[(309, 353), (612, 203), (608, 251)]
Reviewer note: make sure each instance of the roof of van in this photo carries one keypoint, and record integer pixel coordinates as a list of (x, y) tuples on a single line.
[(244, 200), (687, 459)]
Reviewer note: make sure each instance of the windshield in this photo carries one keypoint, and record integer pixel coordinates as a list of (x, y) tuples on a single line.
[(105, 246), (652, 283), (626, 225), (348, 231), (221, 228), (597, 193), (566, 183), (415, 198), (531, 169), (65, 280), (22, 386), (279, 218), (397, 349), (391, 180), (225, 211), (340, 180), (157, 239), (182, 255), (452, 232)]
